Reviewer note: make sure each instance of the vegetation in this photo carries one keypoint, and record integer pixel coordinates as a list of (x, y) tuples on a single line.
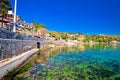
[(27, 28), (4, 7), (20, 17), (87, 38), (54, 34), (38, 26), (12, 74), (64, 35), (101, 38)]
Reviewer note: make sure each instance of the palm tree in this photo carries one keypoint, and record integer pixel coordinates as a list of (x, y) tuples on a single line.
[(4, 7)]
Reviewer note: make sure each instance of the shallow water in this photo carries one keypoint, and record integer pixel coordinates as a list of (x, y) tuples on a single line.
[(83, 62)]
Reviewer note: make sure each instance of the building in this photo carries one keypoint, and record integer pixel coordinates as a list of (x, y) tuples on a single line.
[(7, 23)]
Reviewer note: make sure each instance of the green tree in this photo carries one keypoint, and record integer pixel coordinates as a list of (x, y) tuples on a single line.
[(20, 17), (79, 33), (4, 7), (38, 25), (54, 34), (64, 36), (71, 32)]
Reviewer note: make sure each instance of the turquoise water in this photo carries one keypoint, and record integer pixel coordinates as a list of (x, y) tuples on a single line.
[(84, 62)]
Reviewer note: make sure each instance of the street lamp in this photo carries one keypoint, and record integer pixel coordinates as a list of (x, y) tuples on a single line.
[(14, 22)]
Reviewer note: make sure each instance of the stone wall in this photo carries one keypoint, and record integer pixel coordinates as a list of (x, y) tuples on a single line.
[(11, 47), (13, 44), (6, 34)]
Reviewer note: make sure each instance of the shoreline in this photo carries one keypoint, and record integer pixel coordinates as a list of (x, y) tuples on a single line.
[(72, 42), (44, 60), (15, 62)]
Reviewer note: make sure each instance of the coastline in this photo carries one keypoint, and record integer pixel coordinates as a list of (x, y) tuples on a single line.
[(14, 62), (11, 64)]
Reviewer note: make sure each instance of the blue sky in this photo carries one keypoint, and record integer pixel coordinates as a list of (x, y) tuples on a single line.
[(85, 16)]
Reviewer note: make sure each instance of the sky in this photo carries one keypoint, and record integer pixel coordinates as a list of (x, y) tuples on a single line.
[(85, 16)]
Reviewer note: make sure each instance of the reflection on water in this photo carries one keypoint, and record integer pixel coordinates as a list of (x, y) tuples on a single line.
[(82, 62)]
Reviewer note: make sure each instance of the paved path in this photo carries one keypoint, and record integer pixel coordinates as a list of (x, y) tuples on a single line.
[(14, 62)]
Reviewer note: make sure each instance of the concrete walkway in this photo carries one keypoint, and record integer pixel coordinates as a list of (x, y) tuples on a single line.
[(15, 62)]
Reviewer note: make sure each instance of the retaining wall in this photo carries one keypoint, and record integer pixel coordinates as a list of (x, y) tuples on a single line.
[(10, 48), (13, 47)]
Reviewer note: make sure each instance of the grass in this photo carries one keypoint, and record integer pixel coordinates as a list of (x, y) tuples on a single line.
[(12, 74)]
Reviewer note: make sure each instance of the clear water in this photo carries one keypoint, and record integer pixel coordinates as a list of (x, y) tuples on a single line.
[(84, 62)]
